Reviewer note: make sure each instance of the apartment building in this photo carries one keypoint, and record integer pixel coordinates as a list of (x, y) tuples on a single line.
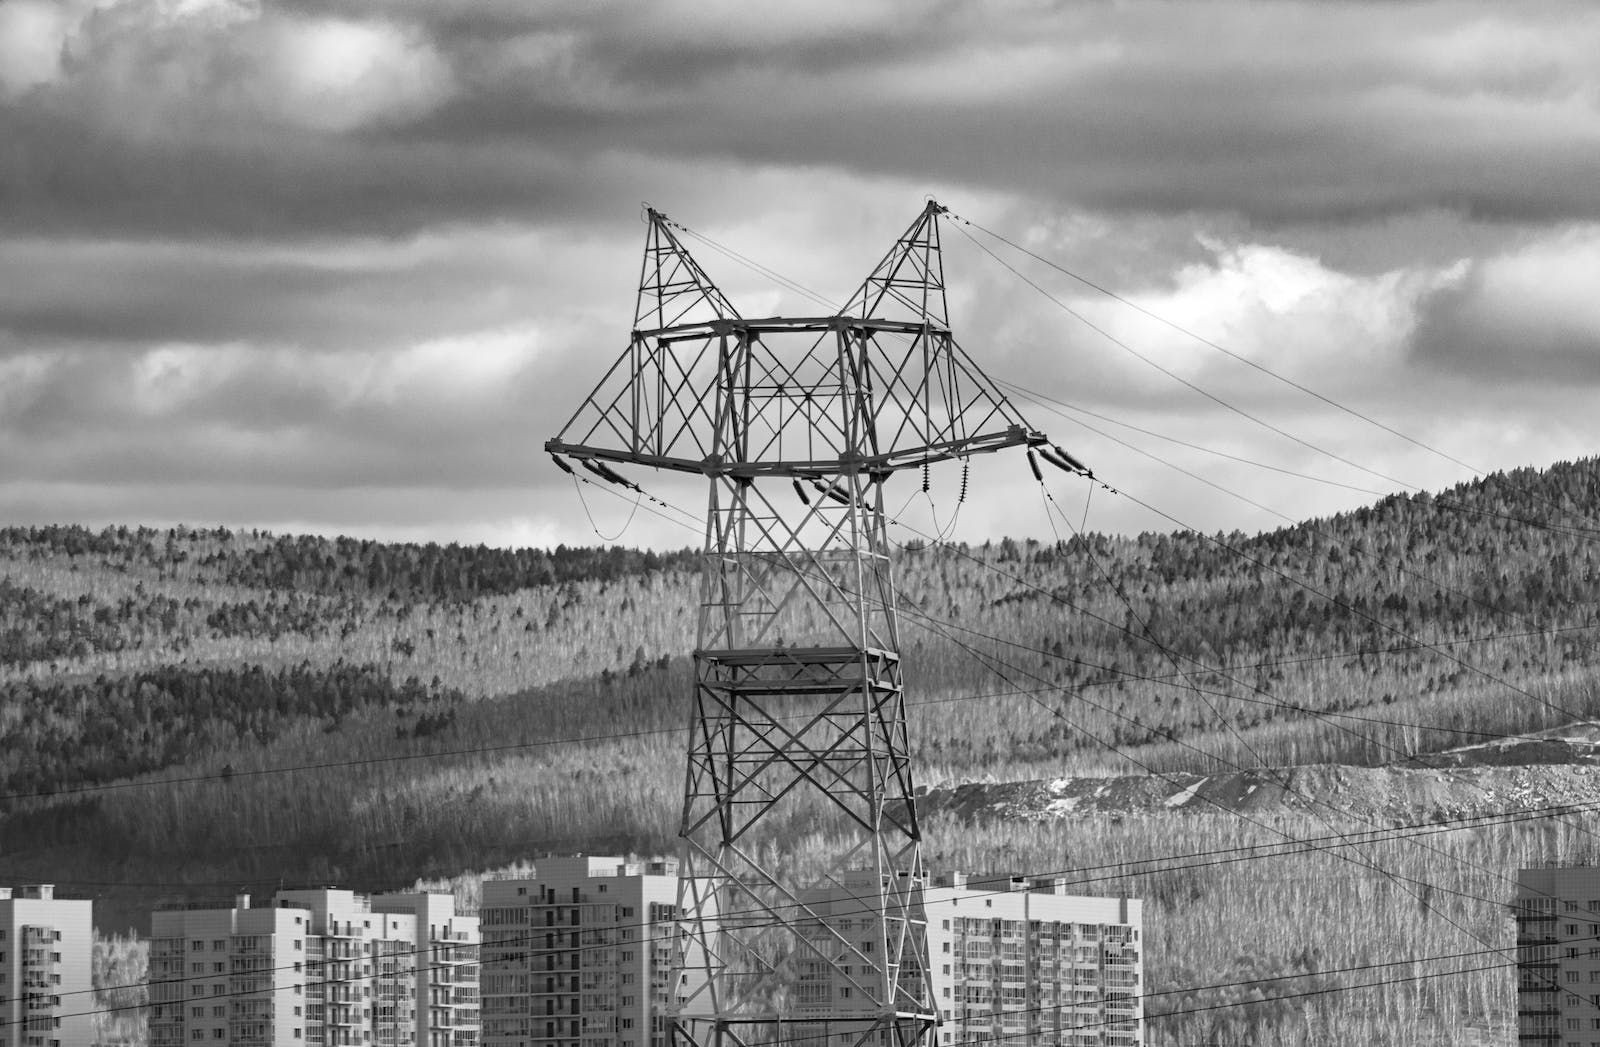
[(446, 1003), (46, 946), (1558, 956), (1012, 962), (323, 967), (580, 954)]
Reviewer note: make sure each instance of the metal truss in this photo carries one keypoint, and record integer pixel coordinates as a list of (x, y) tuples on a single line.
[(798, 723)]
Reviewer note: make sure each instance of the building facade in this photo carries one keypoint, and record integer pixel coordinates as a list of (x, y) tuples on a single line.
[(1014, 962), (446, 983), (580, 954), (46, 948), (1558, 956), (322, 967)]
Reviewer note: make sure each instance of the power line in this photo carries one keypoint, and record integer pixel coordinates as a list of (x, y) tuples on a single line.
[(1119, 870), (1237, 357), (1210, 344), (1213, 397)]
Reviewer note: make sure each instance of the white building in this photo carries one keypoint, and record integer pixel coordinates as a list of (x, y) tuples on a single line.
[(1558, 956), (322, 967), (446, 1003), (1015, 963), (580, 954), (46, 947)]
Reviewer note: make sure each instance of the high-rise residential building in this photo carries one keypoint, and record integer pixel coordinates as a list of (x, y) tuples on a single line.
[(46, 946), (1013, 962), (1558, 956), (323, 967), (580, 954), (446, 1001)]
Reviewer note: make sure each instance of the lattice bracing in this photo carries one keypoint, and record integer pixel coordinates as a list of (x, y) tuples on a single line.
[(909, 283), (717, 392), (798, 729), (673, 289)]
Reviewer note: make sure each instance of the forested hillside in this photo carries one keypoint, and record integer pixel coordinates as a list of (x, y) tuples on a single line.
[(1463, 612), (270, 709)]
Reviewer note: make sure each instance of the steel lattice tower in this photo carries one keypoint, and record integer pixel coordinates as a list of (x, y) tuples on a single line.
[(798, 727)]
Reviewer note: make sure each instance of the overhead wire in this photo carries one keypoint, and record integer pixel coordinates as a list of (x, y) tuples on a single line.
[(1437, 501), (1238, 357), (1123, 869), (1170, 373)]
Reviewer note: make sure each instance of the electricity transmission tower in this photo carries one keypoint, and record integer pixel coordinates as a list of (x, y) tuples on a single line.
[(798, 731)]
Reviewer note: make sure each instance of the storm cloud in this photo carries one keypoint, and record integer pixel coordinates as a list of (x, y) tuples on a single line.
[(258, 256)]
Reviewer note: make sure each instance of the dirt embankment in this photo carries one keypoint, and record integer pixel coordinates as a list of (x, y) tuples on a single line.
[(1554, 768)]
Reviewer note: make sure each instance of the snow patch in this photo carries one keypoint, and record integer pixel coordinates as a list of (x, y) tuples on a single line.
[(1182, 797)]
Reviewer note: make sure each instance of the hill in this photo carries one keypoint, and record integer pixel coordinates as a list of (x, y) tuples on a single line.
[(251, 710)]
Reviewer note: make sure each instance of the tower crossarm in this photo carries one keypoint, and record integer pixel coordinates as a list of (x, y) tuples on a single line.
[(846, 465), (793, 397)]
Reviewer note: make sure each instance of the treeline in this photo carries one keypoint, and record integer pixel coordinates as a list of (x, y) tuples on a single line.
[(401, 571), (38, 626), (57, 734), (428, 572)]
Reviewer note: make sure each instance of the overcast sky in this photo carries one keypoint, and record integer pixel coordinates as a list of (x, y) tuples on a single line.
[(342, 266)]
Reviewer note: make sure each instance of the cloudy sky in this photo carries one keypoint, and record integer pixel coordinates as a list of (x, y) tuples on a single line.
[(342, 266)]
